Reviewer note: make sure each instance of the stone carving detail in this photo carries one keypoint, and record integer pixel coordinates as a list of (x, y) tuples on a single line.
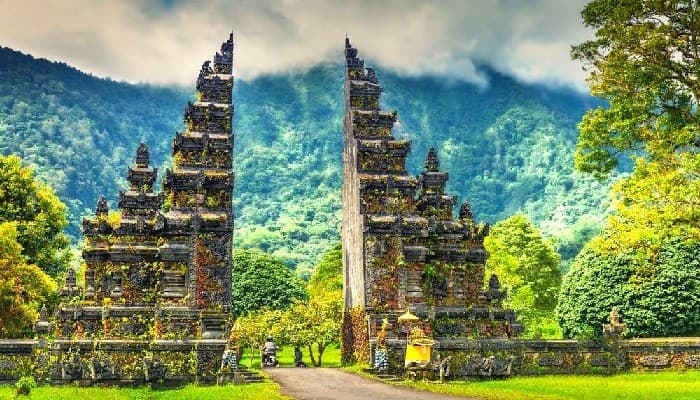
[(615, 329), (73, 368), (142, 158), (692, 361), (154, 369), (489, 366), (495, 293), (42, 325), (103, 369), (70, 288), (116, 292), (89, 284), (600, 360), (546, 360), (432, 164), (101, 209), (655, 361), (465, 212)]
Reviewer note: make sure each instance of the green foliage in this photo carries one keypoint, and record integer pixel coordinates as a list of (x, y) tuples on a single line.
[(25, 385), (23, 286), (655, 297), (314, 324), (251, 330), (260, 280), (644, 62), (528, 269), (38, 215), (328, 274)]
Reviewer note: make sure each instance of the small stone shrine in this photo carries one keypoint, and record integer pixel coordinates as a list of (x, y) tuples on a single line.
[(402, 247), (157, 283)]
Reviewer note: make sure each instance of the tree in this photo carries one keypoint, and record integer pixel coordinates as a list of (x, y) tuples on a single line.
[(24, 287), (645, 61), (251, 330), (260, 280), (314, 324), (528, 268), (39, 216), (659, 297)]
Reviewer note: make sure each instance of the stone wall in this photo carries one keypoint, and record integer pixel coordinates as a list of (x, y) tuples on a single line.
[(485, 358), (112, 362)]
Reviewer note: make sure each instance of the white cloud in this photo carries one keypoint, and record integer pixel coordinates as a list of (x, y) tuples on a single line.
[(166, 42)]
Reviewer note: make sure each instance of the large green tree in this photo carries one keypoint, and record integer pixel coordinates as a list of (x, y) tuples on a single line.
[(645, 61), (38, 214), (260, 281), (528, 268)]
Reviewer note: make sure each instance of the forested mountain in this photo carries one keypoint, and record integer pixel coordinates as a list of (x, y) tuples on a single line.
[(508, 147)]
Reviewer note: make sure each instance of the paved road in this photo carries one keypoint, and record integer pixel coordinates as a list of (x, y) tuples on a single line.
[(336, 384)]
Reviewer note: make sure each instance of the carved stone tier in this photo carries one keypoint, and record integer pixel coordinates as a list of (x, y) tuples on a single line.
[(215, 88), (139, 203), (197, 179), (141, 179), (440, 206), (201, 142), (372, 119), (208, 117)]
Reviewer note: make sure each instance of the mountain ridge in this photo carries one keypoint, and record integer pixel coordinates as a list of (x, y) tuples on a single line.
[(508, 148)]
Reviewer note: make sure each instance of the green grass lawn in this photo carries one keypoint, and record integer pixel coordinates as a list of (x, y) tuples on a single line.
[(331, 357), (649, 386), (258, 391)]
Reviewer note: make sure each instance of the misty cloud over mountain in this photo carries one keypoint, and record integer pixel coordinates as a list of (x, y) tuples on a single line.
[(162, 42)]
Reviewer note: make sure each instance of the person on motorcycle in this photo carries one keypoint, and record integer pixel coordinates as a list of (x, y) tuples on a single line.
[(269, 352)]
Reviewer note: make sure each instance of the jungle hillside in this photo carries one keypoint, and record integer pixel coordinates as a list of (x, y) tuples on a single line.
[(508, 147)]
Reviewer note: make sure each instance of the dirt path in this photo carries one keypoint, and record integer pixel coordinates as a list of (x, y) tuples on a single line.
[(336, 384)]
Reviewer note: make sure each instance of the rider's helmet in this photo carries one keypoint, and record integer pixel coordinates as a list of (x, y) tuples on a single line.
[(269, 339)]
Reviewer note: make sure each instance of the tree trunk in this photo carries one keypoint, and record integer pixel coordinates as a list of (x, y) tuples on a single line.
[(320, 353), (311, 355)]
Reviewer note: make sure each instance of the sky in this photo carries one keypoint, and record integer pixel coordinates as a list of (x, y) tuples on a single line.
[(166, 41)]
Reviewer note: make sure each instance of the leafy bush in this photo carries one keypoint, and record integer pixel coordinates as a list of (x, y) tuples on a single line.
[(24, 385), (656, 297), (260, 280)]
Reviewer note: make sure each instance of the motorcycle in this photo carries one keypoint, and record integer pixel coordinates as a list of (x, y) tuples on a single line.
[(269, 359)]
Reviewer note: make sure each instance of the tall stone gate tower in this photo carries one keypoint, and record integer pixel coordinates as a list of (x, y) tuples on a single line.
[(402, 246), (160, 267)]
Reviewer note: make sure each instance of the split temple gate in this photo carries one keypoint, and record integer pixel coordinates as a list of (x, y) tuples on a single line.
[(156, 300)]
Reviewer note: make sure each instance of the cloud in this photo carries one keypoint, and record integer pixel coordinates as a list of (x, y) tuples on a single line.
[(165, 42)]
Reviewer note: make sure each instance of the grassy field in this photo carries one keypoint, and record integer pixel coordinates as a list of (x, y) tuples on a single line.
[(258, 391), (331, 357), (651, 386)]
